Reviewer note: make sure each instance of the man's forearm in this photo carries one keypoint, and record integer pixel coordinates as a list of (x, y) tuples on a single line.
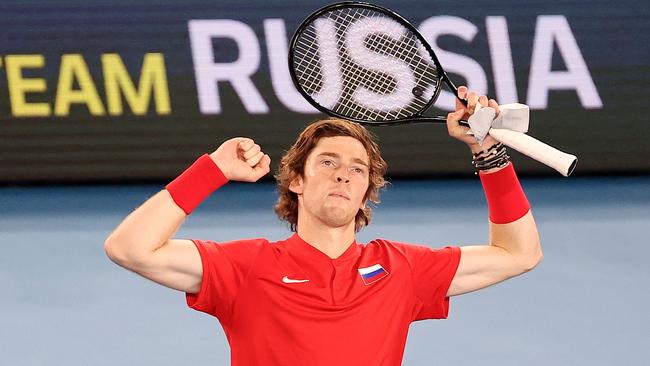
[(146, 229)]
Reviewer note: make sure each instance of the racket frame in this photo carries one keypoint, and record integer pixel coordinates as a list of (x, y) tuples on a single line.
[(415, 118)]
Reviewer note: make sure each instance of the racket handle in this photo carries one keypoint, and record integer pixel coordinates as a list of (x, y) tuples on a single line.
[(545, 154)]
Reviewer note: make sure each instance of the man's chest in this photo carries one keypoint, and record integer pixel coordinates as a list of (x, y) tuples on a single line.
[(368, 284)]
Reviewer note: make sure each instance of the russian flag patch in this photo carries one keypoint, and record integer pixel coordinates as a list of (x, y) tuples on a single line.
[(372, 274)]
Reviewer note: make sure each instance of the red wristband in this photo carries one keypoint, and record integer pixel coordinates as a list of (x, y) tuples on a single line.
[(196, 183), (506, 200)]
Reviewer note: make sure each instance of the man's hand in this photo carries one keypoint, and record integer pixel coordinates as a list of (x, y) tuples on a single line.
[(458, 131), (241, 159)]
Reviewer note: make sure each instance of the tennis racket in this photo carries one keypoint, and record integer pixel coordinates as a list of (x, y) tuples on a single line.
[(367, 64)]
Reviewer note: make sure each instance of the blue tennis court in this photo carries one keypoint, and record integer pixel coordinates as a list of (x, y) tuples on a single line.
[(64, 303)]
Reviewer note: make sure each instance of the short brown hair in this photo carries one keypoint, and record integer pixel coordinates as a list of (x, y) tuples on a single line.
[(293, 162)]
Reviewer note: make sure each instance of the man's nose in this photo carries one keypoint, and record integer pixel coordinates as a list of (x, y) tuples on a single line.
[(342, 175)]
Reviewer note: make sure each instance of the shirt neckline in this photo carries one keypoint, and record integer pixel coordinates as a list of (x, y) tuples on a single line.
[(298, 245)]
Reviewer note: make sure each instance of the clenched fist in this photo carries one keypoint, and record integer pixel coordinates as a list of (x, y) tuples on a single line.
[(241, 159), (459, 131)]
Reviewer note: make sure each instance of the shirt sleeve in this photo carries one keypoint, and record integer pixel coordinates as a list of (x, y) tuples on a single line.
[(432, 270), (225, 268)]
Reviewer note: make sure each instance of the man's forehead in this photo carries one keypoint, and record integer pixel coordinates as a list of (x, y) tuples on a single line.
[(344, 146)]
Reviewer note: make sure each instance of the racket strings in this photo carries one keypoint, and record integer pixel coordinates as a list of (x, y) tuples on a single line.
[(308, 66), (355, 78), (408, 49), (355, 75), (343, 20), (308, 44)]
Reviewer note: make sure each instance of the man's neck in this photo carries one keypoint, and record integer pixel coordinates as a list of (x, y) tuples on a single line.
[(331, 241)]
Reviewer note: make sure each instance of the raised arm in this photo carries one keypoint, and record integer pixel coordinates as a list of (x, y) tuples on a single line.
[(143, 242), (514, 246)]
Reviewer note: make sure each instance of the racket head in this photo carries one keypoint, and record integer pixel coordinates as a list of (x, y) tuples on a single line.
[(365, 63)]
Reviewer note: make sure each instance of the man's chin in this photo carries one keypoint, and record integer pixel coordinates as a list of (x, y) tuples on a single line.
[(337, 217)]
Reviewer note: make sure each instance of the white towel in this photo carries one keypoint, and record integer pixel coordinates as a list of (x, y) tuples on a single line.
[(513, 116)]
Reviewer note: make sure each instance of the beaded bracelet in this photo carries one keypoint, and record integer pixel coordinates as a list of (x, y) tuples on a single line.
[(494, 157)]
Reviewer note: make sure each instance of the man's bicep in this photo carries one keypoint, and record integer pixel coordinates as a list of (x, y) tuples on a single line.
[(176, 265), (482, 266)]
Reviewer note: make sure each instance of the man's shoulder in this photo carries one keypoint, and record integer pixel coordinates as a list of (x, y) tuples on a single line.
[(241, 242), (392, 245), (400, 248), (409, 252), (249, 244), (387, 247), (238, 248)]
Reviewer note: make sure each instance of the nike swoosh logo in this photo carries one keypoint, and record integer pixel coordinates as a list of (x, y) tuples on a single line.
[(286, 279)]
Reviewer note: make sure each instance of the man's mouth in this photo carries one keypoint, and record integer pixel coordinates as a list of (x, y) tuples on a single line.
[(340, 195)]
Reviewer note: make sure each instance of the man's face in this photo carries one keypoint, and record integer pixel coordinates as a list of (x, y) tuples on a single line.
[(335, 181)]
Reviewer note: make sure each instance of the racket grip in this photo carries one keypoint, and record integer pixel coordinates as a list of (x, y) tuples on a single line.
[(545, 154)]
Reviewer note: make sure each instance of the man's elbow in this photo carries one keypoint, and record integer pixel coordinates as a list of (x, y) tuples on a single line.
[(529, 262), (112, 250), (116, 251), (533, 262)]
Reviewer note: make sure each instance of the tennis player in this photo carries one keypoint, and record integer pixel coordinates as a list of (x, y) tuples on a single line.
[(319, 297)]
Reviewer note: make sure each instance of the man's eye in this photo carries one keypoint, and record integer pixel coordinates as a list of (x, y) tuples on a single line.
[(358, 170), (328, 162)]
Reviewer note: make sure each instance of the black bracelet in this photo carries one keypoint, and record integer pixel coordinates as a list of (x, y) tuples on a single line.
[(490, 151), (494, 157)]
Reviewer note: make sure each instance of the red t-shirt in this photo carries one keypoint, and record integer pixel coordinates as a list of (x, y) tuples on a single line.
[(287, 303)]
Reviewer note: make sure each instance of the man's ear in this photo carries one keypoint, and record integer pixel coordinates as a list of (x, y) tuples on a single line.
[(296, 185)]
